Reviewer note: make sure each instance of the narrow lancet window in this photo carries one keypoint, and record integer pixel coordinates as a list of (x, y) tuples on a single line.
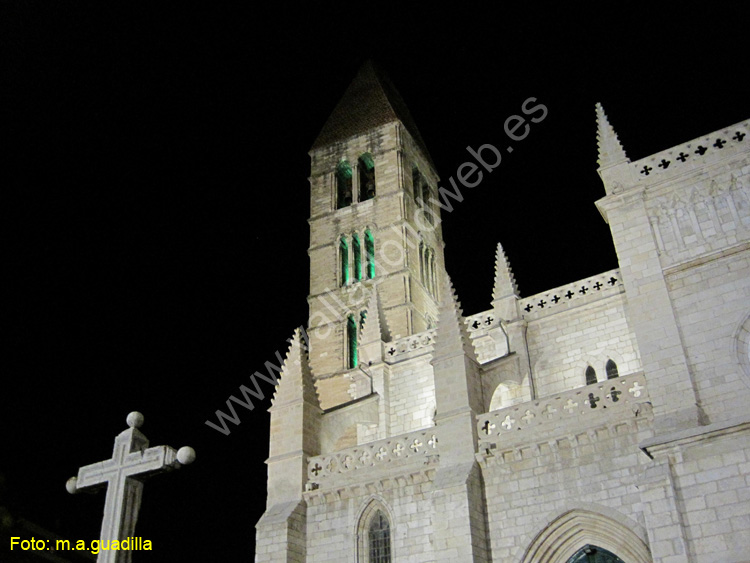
[(611, 369), (379, 539), (416, 181), (362, 319), (357, 251), (351, 340), (366, 177), (344, 260), (343, 185), (590, 375), (370, 253)]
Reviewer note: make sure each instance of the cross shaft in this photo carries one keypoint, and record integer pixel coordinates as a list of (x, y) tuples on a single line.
[(132, 461)]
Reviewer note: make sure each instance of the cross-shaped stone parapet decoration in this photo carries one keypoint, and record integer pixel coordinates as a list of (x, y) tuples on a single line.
[(398, 449), (570, 406), (508, 423), (487, 427), (132, 461), (416, 445), (332, 465), (528, 416), (348, 462), (614, 395), (636, 389), (592, 400), (433, 441), (549, 411)]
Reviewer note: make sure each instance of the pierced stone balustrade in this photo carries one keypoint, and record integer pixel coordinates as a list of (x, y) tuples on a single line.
[(482, 322), (572, 295), (398, 450), (409, 346), (582, 406)]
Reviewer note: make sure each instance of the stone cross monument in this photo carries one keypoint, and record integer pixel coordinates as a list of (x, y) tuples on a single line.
[(132, 461)]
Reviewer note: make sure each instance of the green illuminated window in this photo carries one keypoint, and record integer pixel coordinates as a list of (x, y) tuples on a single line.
[(357, 258), (351, 339), (370, 254), (366, 177), (343, 184), (344, 260)]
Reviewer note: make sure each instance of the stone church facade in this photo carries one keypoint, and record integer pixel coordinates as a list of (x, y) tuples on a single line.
[(600, 421)]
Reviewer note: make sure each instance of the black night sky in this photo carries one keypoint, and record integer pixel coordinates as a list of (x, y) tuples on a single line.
[(154, 181)]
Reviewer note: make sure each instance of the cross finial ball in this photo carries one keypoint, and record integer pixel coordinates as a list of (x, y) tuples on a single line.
[(186, 455), (135, 419)]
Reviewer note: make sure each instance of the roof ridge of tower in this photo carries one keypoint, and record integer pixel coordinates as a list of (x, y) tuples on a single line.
[(370, 100)]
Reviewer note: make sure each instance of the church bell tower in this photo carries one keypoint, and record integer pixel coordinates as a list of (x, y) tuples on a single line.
[(375, 235)]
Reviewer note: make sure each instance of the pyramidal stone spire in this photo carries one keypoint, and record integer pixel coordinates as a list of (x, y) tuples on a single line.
[(296, 380), (451, 336), (610, 149), (371, 100), (505, 281)]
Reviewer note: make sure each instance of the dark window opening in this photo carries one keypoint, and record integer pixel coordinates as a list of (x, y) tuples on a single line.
[(416, 181), (351, 337), (590, 375), (366, 177), (343, 185), (379, 539)]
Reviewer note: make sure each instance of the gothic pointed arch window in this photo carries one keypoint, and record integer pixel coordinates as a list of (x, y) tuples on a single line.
[(611, 369), (379, 539), (351, 342), (370, 254), (590, 375), (344, 260), (374, 535), (343, 184), (366, 167), (357, 257)]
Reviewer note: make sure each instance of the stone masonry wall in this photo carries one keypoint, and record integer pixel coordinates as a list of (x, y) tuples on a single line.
[(712, 478), (561, 345), (528, 485), (412, 395), (333, 518), (711, 300)]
